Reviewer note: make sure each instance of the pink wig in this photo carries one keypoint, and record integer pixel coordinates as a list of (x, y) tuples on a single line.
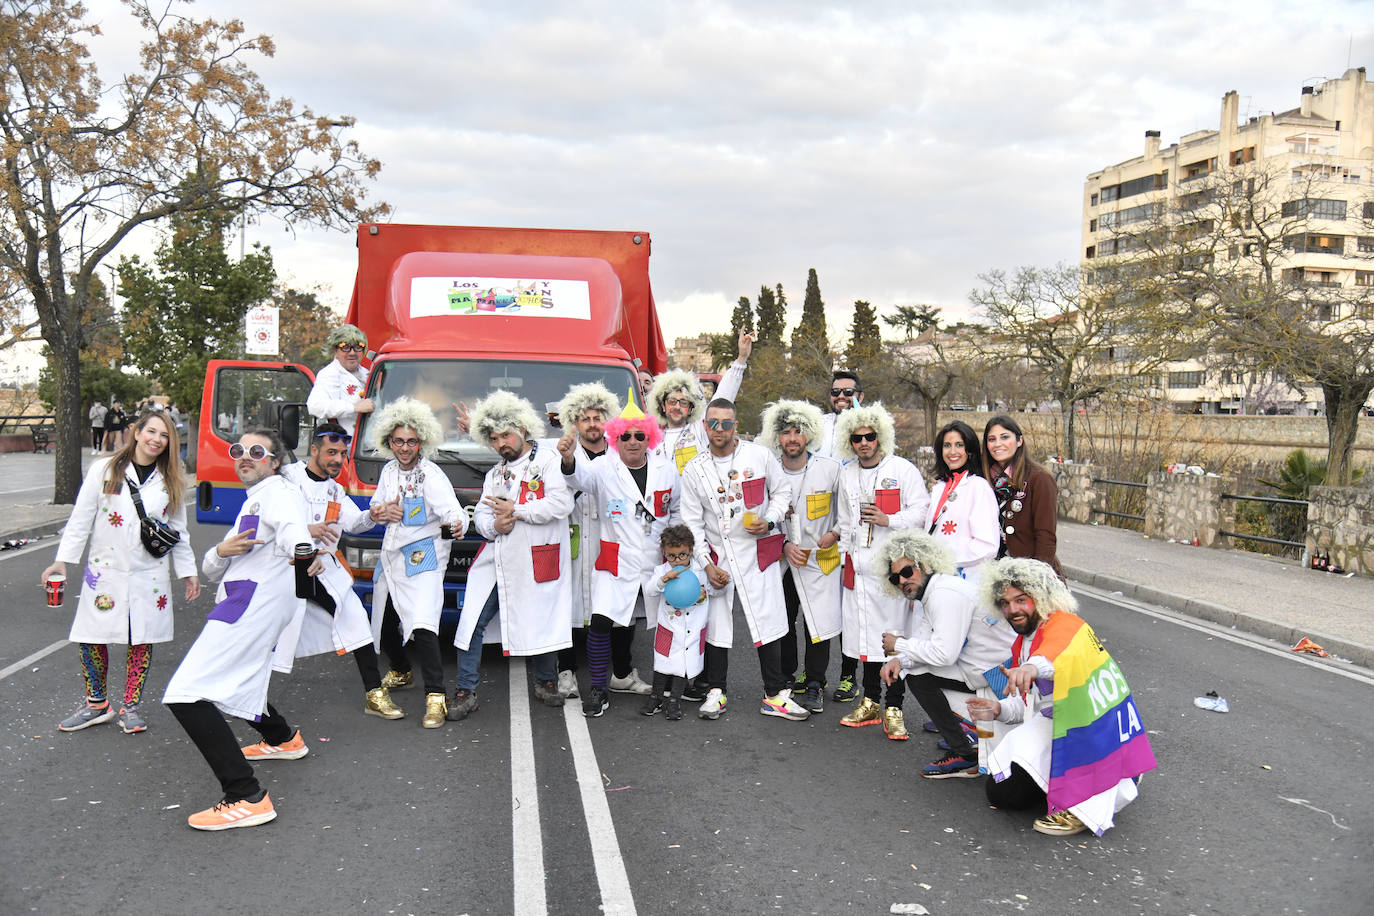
[(620, 424)]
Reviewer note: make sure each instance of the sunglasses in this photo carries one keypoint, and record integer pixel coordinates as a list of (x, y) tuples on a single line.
[(335, 438), (637, 435), (351, 348), (256, 452), (856, 438), (897, 577), (405, 443), (843, 392), (725, 425)]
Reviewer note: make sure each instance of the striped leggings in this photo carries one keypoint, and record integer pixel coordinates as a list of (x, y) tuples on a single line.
[(95, 662)]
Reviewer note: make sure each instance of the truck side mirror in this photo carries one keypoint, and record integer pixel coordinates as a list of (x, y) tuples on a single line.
[(289, 424)]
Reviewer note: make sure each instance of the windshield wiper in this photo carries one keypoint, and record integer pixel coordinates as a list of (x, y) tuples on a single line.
[(453, 453)]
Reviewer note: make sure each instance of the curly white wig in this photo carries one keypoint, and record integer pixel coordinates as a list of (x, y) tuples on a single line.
[(874, 415), (406, 412), (591, 396), (785, 415), (1035, 578), (501, 412), (677, 380), (918, 547), (346, 334)]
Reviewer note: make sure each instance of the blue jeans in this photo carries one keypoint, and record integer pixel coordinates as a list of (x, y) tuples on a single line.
[(542, 667)]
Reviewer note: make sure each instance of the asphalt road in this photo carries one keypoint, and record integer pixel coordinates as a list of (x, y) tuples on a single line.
[(1266, 809)]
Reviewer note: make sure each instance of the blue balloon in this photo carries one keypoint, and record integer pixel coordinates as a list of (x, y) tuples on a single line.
[(683, 591)]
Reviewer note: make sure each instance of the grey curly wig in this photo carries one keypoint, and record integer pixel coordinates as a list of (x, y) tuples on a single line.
[(501, 412), (918, 547), (591, 396), (1035, 578), (785, 415), (857, 417), (346, 334), (677, 380), (406, 412)]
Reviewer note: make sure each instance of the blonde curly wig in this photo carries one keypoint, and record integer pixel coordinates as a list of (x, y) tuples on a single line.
[(501, 412), (406, 412), (859, 416), (785, 415), (918, 547), (677, 380), (1035, 578), (591, 396)]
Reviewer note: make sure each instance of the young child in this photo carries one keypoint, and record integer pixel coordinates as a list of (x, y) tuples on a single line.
[(679, 643)]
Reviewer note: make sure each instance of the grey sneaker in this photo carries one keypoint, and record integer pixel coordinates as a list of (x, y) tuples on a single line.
[(86, 716), (547, 693), (462, 704), (131, 721), (630, 683), (813, 699)]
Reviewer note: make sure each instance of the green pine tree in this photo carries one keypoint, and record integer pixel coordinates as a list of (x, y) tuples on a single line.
[(810, 353), (771, 319), (742, 319), (865, 340)]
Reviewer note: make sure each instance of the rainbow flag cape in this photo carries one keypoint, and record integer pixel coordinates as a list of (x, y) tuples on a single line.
[(1098, 737)]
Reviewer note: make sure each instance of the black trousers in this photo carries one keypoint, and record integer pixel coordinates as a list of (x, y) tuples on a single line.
[(1015, 793), (426, 645), (212, 736), (770, 666), (873, 686), (816, 654), (365, 657), (929, 691)]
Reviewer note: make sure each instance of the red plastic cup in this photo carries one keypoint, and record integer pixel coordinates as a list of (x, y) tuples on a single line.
[(55, 589)]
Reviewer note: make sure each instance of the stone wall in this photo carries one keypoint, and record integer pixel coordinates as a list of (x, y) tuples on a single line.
[(1188, 507), (1078, 496), (1340, 523)]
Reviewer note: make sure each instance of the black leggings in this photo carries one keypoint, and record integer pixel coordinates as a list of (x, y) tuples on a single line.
[(212, 736), (426, 643), (365, 656)]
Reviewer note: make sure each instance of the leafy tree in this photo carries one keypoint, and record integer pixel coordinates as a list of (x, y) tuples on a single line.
[(810, 350), (305, 323), (84, 166), (933, 366), (188, 308), (98, 381), (865, 340), (772, 317), (724, 349), (741, 319), (913, 319)]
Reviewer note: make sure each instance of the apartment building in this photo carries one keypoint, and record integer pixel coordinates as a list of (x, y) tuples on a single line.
[(1316, 165)]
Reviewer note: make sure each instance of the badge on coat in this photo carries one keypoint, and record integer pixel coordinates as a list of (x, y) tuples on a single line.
[(420, 556), (617, 508)]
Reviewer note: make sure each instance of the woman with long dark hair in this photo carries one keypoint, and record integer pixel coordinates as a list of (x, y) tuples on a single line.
[(1027, 499), (963, 509), (126, 593)]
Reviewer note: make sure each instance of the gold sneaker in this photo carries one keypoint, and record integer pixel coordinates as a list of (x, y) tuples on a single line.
[(866, 713), (436, 709), (378, 703), (1061, 823), (894, 723), (398, 680)]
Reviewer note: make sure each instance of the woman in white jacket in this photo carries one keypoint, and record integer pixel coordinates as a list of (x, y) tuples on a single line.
[(963, 507), (126, 594)]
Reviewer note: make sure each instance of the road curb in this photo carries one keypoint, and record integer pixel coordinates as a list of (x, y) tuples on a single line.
[(1359, 653), (40, 530)]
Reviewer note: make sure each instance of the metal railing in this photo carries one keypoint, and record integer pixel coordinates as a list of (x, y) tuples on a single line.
[(25, 422), (1271, 500), (1119, 483)]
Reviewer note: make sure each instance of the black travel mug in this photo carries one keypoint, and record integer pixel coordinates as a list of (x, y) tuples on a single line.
[(305, 555)]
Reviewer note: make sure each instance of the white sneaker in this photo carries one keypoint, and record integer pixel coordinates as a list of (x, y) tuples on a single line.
[(714, 704), (567, 683), (783, 707), (631, 683)]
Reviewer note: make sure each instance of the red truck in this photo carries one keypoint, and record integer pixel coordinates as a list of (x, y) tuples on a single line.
[(450, 313)]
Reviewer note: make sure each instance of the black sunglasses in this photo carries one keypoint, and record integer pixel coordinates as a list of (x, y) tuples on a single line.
[(726, 425), (897, 577), (637, 435), (351, 348), (335, 438), (856, 438), (843, 392)]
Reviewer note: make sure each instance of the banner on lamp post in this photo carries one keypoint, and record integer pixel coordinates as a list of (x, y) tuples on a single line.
[(261, 327)]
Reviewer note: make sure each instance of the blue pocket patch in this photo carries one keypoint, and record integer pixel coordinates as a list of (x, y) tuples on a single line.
[(420, 556), (237, 595), (617, 508), (413, 511)]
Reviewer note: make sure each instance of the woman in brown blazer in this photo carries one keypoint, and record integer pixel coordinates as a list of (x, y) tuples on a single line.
[(1027, 499)]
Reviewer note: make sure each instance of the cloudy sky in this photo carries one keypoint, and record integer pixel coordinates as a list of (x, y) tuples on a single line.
[(899, 148)]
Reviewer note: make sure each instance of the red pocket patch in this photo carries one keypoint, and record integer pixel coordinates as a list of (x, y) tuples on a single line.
[(663, 641), (608, 558), (847, 577), (770, 550), (661, 498), (530, 489), (545, 558), (754, 492), (703, 640), (889, 502)]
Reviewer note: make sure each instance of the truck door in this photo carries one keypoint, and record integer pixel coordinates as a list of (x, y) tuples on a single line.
[(240, 395)]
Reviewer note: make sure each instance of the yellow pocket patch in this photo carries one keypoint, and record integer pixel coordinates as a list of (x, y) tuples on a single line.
[(828, 558), (684, 455), (817, 505)]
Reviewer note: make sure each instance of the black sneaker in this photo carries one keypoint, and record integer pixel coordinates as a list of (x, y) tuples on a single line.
[(672, 709), (696, 690), (812, 699), (652, 704), (597, 701)]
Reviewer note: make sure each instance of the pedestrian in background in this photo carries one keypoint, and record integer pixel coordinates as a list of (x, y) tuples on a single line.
[(1027, 499), (116, 425), (126, 594), (97, 418)]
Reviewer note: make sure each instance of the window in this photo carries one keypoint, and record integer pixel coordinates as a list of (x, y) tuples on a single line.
[(1092, 201), (1368, 210), (1089, 253), (1364, 278), (1242, 156), (1315, 243), (1129, 215), (1315, 208), (1186, 379), (1092, 225), (1135, 186), (1366, 244), (1365, 310)]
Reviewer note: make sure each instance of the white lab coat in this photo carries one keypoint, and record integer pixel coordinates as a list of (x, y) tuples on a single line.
[(534, 613), (825, 445), (584, 532), (868, 611), (631, 524), (335, 392), (416, 593), (126, 592), (316, 631), (680, 638), (681, 444), (811, 516), (967, 523), (953, 637), (231, 661), (713, 506)]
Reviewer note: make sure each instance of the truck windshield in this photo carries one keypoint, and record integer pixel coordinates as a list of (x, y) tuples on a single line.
[(442, 383)]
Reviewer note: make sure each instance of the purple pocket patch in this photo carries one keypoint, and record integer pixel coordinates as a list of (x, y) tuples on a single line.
[(237, 595), (248, 523)]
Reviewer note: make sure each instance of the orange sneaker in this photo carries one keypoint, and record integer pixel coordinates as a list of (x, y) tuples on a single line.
[(294, 749), (226, 814)]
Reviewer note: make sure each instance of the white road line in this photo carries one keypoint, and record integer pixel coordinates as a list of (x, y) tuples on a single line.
[(527, 834), (37, 656), (1213, 629), (616, 896)]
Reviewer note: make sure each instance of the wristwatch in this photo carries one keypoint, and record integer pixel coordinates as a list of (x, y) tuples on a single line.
[(771, 526)]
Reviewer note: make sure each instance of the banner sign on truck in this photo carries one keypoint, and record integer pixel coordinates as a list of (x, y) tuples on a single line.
[(261, 327), (446, 296)]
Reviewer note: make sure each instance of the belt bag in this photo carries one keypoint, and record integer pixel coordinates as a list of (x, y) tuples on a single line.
[(158, 537)]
